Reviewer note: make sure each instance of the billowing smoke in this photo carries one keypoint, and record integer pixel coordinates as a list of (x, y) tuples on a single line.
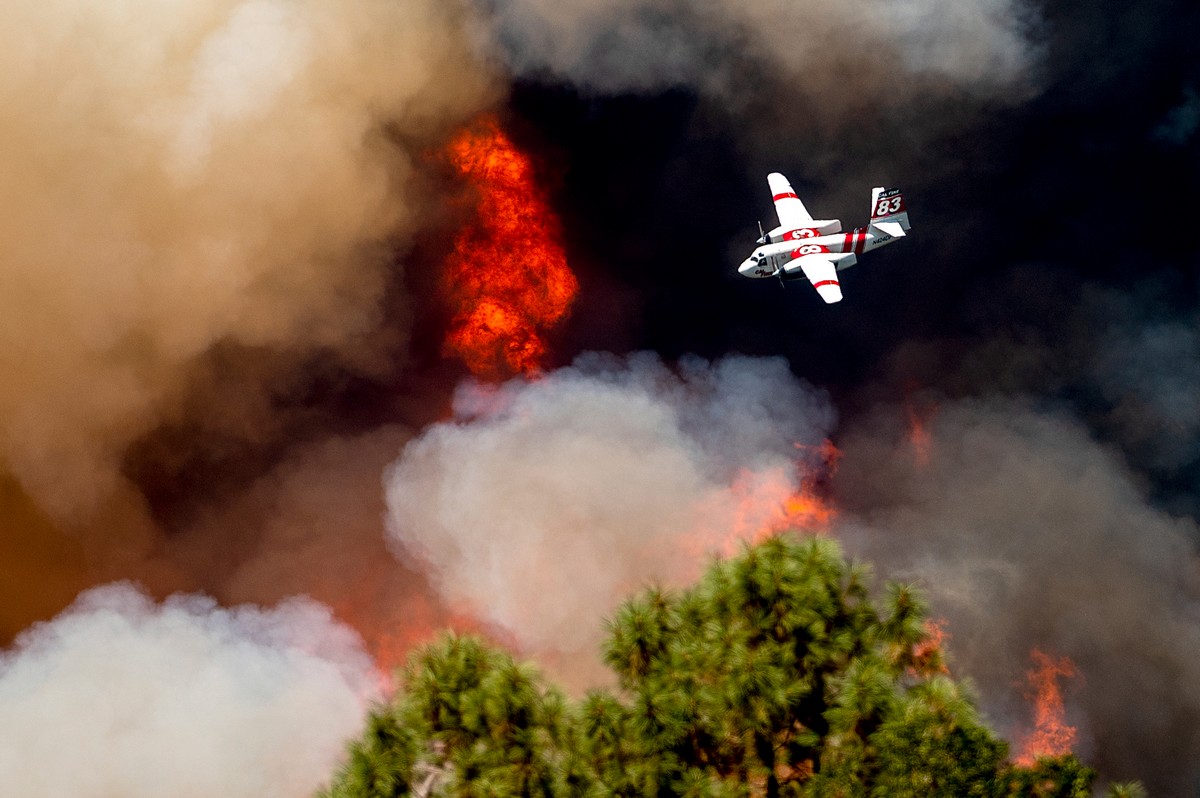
[(183, 175), (849, 54), (314, 526), (122, 696), (544, 503), (1126, 361), (1027, 532)]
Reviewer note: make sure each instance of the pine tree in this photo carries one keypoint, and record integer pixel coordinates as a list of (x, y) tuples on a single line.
[(775, 675)]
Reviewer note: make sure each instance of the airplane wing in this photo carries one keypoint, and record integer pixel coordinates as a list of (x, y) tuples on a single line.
[(791, 211), (822, 273)]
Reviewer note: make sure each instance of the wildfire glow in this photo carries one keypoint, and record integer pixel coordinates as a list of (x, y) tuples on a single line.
[(918, 434), (927, 654), (507, 276), (1051, 736), (767, 502), (805, 508)]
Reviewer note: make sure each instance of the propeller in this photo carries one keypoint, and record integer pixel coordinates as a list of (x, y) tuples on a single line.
[(762, 237)]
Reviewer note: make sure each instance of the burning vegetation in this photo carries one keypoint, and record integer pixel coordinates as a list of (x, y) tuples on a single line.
[(1051, 736)]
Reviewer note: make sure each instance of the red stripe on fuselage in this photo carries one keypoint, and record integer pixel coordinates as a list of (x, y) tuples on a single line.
[(848, 244), (788, 195), (825, 282), (862, 238)]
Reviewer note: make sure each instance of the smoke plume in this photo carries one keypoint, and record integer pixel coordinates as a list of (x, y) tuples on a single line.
[(188, 174), (122, 696), (544, 503)]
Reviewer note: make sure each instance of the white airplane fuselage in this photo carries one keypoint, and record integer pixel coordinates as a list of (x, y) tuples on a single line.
[(769, 258)]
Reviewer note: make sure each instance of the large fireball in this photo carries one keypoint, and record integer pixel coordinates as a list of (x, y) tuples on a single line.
[(507, 276)]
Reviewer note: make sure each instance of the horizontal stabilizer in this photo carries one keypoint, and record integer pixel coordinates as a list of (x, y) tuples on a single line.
[(894, 229)]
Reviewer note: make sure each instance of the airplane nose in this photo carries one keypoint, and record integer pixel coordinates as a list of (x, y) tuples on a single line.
[(747, 268)]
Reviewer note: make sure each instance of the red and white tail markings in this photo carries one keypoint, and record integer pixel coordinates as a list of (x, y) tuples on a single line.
[(888, 203)]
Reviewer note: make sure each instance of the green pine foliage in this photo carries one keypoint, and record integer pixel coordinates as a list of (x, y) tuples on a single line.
[(775, 675)]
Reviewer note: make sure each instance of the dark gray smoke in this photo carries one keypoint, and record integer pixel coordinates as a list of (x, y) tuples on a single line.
[(1028, 533)]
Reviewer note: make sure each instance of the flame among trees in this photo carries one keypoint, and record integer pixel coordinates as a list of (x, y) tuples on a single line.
[(775, 675), (1051, 735)]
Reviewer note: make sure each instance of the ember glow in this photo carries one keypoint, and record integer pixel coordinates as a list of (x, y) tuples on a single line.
[(918, 433), (808, 508), (507, 277), (767, 501), (1051, 735), (928, 656)]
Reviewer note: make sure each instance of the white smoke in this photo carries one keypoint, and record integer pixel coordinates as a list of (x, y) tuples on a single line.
[(544, 503), (122, 696)]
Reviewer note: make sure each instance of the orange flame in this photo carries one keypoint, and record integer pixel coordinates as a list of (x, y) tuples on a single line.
[(918, 434), (507, 276), (807, 508), (927, 653), (1051, 736), (766, 502)]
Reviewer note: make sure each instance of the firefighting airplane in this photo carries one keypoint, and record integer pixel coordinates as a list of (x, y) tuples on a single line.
[(802, 246)]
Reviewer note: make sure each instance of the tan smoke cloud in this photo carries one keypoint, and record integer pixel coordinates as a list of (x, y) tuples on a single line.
[(122, 696), (182, 174), (543, 504), (44, 568)]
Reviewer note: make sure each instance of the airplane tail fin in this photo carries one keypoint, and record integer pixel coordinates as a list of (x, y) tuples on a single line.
[(888, 211)]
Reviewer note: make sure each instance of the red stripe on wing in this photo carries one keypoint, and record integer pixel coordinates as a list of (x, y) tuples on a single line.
[(825, 282), (788, 195)]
